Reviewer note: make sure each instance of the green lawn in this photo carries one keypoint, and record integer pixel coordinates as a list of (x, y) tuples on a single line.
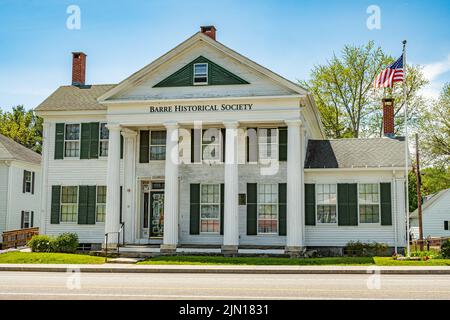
[(218, 260), (49, 258)]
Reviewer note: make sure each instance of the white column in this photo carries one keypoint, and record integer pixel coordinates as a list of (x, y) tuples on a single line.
[(231, 210), (295, 211), (128, 191), (170, 239), (45, 188), (112, 223)]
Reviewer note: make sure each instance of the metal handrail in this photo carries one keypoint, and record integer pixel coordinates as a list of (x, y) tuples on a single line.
[(121, 231)]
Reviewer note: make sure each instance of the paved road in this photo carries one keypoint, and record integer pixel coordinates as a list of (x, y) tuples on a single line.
[(46, 285)]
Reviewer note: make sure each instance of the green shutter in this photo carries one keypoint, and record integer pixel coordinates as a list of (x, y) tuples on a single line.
[(94, 147), (252, 205), (445, 225), (121, 146), (91, 204), (282, 144), (222, 197), (223, 133), (282, 209), (347, 204), (82, 204), (59, 141), (386, 206), (144, 146), (353, 204), (85, 146), (194, 209), (217, 75), (310, 204), (56, 205)]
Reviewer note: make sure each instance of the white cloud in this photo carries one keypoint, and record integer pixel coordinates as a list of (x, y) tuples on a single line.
[(431, 72)]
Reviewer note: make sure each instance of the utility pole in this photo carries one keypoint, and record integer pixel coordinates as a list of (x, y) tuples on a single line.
[(419, 194)]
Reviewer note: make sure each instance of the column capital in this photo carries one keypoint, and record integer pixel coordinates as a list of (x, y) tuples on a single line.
[(128, 133), (113, 126), (294, 122), (171, 125), (231, 124)]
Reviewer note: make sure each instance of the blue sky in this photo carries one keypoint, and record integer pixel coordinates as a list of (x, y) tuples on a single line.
[(288, 37)]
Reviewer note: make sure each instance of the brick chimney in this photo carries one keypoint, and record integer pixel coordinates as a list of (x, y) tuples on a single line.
[(210, 31), (78, 68), (388, 117)]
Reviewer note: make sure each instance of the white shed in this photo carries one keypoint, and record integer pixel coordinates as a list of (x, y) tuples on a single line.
[(435, 217)]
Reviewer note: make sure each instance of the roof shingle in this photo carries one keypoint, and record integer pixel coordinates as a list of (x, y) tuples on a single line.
[(67, 98), (355, 153), (11, 150)]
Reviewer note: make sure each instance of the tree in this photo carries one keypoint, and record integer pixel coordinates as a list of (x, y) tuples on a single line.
[(348, 104), (24, 127), (436, 142)]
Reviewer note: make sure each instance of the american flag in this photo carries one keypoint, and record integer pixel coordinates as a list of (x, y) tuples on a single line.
[(393, 73)]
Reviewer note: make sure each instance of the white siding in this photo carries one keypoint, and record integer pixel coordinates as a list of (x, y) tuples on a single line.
[(74, 173), (435, 215), (4, 172)]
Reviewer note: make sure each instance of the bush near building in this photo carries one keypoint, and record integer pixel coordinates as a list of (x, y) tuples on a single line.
[(66, 243)]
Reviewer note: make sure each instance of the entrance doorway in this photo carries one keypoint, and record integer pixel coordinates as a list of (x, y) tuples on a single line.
[(153, 210)]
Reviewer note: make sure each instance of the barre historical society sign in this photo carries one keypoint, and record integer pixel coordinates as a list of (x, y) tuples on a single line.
[(202, 108)]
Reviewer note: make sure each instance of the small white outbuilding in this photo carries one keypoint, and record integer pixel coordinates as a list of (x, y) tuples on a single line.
[(435, 216)]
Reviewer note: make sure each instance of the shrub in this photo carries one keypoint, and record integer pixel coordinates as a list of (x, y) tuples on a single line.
[(445, 249), (41, 243), (363, 249), (65, 242)]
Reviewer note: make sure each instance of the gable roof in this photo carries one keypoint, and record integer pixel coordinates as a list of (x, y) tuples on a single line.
[(355, 153), (426, 204), (75, 98), (139, 76), (11, 150)]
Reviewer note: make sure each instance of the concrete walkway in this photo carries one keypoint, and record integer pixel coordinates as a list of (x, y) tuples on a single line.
[(235, 269)]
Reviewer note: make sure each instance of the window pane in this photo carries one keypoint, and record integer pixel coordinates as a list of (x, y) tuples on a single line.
[(326, 203), (104, 148), (268, 208), (72, 149), (210, 208), (72, 132), (104, 132), (200, 69)]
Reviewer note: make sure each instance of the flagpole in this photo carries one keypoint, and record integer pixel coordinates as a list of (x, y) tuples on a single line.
[(408, 253)]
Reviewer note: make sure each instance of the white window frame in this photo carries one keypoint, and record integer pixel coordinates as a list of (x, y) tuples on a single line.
[(66, 140), (155, 145), (276, 143), (218, 143), (99, 203), (209, 203), (200, 75), (68, 203), (100, 140), (277, 219), (25, 212), (379, 205), (28, 182), (317, 204)]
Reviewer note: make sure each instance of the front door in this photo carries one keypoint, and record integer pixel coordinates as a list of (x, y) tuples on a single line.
[(156, 214)]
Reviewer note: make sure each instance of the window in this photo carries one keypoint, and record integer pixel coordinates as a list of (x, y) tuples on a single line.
[(158, 145), (268, 144), (268, 208), (369, 203), (104, 136), (326, 203), (211, 144), (69, 203), (72, 140), (200, 73), (27, 180), (210, 208), (100, 207), (26, 220)]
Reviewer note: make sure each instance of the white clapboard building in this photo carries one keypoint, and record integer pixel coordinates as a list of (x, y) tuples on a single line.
[(204, 147), (20, 186), (435, 216)]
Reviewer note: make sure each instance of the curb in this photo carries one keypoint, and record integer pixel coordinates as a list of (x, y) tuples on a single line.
[(226, 270)]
